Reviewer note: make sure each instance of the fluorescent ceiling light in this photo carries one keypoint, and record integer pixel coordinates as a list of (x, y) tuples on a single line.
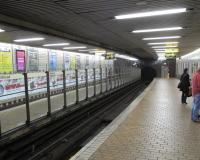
[(168, 50), (170, 46), (152, 13), (157, 29), (163, 43), (1, 30), (191, 54), (126, 57), (56, 44), (157, 38), (29, 39), (78, 47), (159, 49), (87, 50)]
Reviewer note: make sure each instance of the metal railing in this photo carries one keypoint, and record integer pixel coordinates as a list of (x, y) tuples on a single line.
[(107, 77)]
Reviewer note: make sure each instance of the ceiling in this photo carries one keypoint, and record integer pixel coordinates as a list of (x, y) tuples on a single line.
[(94, 20)]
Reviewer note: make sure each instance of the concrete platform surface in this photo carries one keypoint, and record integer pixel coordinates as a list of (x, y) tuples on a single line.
[(156, 126)]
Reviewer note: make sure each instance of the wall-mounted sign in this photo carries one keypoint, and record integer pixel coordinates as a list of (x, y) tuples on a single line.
[(33, 59), (78, 61), (110, 55), (20, 60), (67, 61), (52, 61), (73, 62), (6, 63), (171, 50), (170, 55)]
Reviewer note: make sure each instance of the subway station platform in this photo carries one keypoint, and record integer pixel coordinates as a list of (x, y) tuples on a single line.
[(156, 126)]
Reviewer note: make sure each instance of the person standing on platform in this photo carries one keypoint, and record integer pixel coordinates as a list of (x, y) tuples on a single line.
[(185, 84), (196, 95)]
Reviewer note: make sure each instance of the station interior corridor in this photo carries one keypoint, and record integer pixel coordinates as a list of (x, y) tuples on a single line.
[(159, 128)]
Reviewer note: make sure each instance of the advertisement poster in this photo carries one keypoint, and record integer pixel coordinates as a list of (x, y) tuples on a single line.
[(67, 61), (6, 63), (78, 59), (43, 59), (52, 61), (33, 59), (73, 62), (20, 60), (87, 62), (91, 61)]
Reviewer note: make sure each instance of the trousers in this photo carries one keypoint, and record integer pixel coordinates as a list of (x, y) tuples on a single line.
[(184, 97), (196, 107)]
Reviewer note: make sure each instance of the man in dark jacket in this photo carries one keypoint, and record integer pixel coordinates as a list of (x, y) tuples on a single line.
[(185, 84)]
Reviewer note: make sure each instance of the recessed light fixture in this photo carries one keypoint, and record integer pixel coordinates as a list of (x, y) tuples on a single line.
[(78, 47), (167, 46), (1, 30), (157, 29), (152, 13), (56, 44), (29, 39), (167, 43), (157, 38)]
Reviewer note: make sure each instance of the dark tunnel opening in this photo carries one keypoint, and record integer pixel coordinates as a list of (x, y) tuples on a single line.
[(148, 73)]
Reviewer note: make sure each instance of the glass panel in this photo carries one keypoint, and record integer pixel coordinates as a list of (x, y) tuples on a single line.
[(104, 79), (98, 82), (37, 85), (56, 88), (71, 82), (90, 82), (82, 89), (11, 95)]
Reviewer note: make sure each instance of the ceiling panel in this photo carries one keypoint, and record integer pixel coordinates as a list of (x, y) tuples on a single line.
[(93, 20)]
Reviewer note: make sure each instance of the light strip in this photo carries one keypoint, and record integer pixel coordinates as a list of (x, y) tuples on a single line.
[(1, 30), (163, 43), (29, 39), (157, 38), (87, 50), (56, 44), (78, 47), (126, 57), (164, 49), (152, 13), (197, 51), (160, 47), (157, 29)]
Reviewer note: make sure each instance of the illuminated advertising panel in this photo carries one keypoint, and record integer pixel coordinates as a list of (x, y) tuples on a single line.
[(20, 60)]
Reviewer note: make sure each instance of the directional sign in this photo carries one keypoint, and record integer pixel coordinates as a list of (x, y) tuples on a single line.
[(171, 50), (170, 55), (109, 55)]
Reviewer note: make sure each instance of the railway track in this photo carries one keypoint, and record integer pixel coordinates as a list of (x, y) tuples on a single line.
[(59, 138)]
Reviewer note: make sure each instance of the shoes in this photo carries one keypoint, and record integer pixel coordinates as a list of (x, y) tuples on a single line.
[(184, 102), (198, 120)]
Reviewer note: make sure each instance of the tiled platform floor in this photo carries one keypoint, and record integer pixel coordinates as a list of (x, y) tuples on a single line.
[(158, 129)]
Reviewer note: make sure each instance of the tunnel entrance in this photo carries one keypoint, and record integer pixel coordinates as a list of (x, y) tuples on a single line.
[(148, 73)]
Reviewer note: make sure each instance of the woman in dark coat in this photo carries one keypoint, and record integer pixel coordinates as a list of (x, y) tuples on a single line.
[(185, 84)]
